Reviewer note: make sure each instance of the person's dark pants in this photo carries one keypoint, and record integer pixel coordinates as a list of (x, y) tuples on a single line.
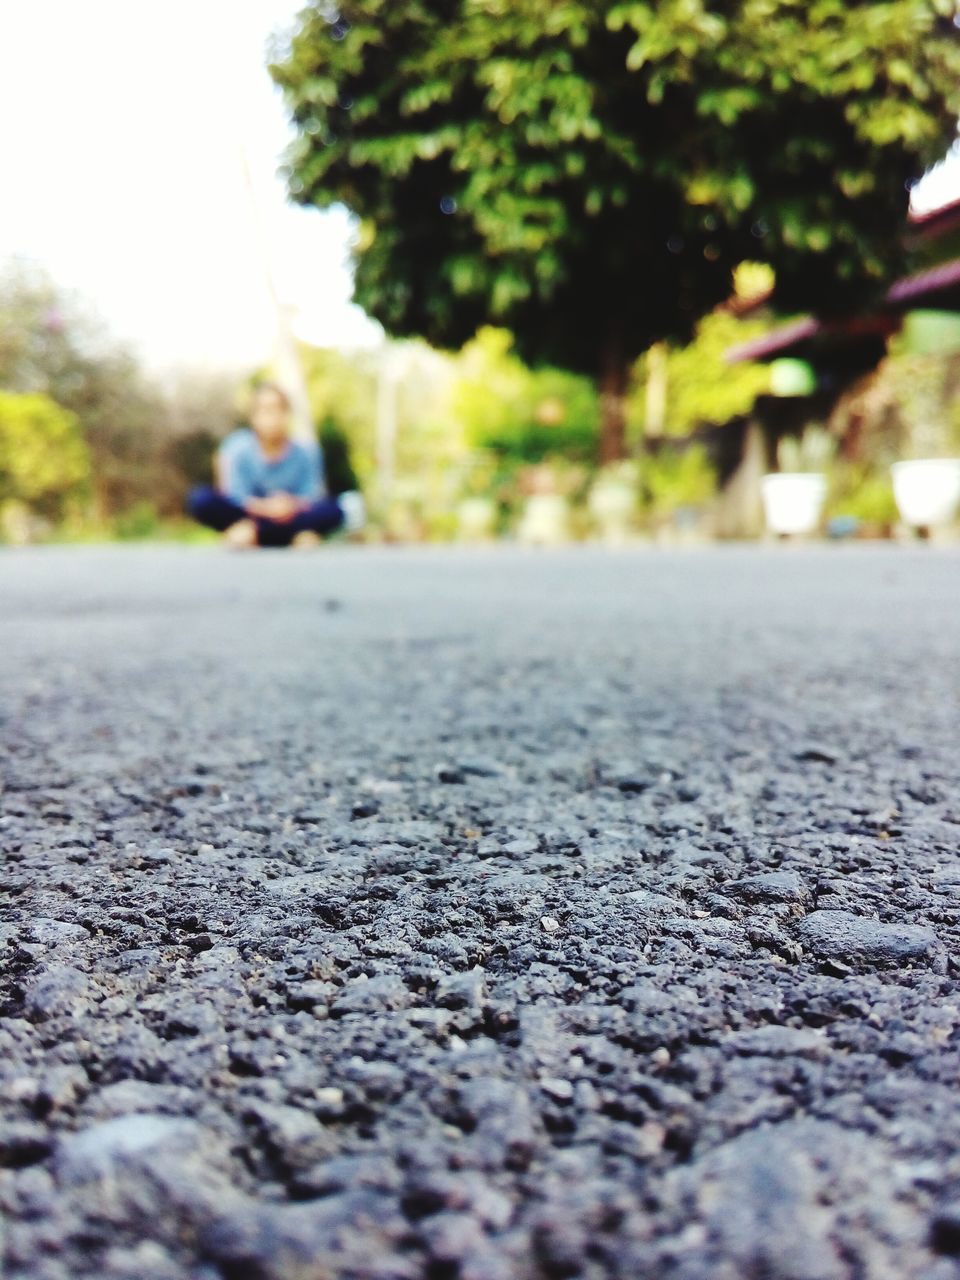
[(211, 507)]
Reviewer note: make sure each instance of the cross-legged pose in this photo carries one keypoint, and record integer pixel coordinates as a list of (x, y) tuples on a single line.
[(269, 488)]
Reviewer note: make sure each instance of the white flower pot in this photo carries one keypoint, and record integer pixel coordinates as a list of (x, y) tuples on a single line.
[(476, 518), (20, 526), (545, 520), (793, 500), (613, 507), (927, 491)]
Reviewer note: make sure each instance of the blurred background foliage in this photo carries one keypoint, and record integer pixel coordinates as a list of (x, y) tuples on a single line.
[(89, 447), (44, 461), (566, 215), (141, 443), (522, 415), (699, 386)]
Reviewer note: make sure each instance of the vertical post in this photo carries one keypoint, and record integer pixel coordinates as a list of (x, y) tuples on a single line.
[(286, 357), (388, 377), (738, 511), (614, 376), (655, 405)]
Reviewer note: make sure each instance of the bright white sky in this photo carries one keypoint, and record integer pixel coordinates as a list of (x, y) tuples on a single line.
[(121, 173), (120, 164)]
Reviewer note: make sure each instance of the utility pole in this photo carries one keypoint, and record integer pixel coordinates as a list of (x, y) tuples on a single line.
[(388, 378), (286, 359), (655, 415)]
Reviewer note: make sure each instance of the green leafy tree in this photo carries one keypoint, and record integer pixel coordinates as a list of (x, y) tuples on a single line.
[(700, 387), (147, 444), (588, 172), (50, 344), (519, 414), (343, 397), (43, 458), (674, 478)]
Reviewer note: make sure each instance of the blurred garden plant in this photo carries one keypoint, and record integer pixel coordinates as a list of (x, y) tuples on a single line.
[(922, 390), (811, 452), (44, 462), (700, 388), (865, 494), (143, 444), (522, 416), (678, 479)]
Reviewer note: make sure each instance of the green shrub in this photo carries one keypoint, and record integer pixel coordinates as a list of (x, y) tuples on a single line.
[(44, 462), (522, 415), (139, 521), (864, 494), (812, 451), (675, 478)]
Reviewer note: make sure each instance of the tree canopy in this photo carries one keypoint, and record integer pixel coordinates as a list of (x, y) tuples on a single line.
[(588, 172)]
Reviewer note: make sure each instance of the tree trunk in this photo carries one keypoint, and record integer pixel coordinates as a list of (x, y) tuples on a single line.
[(613, 406), (739, 508)]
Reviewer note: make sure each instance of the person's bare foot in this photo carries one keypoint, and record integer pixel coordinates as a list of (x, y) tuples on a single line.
[(306, 540), (241, 536)]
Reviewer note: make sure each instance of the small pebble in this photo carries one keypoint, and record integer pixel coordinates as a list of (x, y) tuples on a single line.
[(562, 1090)]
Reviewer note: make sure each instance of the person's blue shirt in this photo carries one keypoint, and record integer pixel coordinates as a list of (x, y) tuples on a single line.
[(245, 473)]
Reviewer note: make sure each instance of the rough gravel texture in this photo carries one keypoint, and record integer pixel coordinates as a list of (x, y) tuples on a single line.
[(480, 916)]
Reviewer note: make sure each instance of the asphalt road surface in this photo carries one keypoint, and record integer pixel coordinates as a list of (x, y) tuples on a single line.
[(496, 915)]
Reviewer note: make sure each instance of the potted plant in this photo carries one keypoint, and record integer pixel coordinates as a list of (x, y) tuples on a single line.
[(612, 501), (793, 496), (861, 502), (927, 491), (926, 483), (547, 488), (476, 519), (680, 482), (477, 510)]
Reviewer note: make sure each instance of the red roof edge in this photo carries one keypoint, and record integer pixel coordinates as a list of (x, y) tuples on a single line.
[(921, 220), (944, 276), (785, 336), (905, 291)]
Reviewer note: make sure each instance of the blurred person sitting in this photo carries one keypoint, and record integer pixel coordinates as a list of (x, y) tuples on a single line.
[(270, 488)]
